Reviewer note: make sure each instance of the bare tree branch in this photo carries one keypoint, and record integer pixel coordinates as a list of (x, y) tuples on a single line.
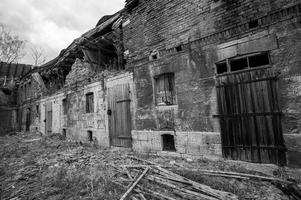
[(11, 46), (38, 56)]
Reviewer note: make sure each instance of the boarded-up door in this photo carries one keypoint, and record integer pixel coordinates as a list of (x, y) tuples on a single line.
[(119, 115), (48, 118), (250, 116)]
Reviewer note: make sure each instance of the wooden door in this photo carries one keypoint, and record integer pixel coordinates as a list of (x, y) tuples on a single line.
[(28, 119), (250, 116), (48, 118), (20, 119), (119, 113)]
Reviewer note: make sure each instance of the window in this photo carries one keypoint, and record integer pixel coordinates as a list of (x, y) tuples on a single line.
[(253, 24), (165, 93), (179, 48), (89, 103), (238, 64), (38, 111), (65, 108), (243, 62), (221, 68)]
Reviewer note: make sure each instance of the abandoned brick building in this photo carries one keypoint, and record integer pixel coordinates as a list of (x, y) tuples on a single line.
[(210, 77)]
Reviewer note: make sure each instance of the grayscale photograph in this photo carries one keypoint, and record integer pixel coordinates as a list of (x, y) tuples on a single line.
[(150, 100)]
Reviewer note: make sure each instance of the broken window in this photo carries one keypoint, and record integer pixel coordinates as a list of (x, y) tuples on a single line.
[(253, 24), (259, 60), (221, 67), (165, 92), (168, 142), (238, 64), (89, 103), (65, 108), (243, 62)]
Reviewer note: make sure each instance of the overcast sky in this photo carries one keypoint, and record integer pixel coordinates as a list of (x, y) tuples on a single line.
[(53, 24)]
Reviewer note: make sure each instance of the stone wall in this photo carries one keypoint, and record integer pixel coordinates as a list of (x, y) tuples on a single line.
[(76, 122), (80, 71), (79, 122), (186, 143)]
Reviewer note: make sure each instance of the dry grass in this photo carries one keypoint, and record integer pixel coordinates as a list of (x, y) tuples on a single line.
[(53, 168)]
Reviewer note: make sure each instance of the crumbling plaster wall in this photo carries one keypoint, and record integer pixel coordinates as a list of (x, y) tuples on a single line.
[(162, 25), (28, 99), (79, 122)]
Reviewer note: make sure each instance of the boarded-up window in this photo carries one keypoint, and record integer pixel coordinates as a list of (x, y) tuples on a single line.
[(165, 92), (89, 103), (65, 108)]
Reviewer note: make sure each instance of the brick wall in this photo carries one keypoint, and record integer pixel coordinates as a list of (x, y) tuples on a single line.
[(168, 23), (204, 29)]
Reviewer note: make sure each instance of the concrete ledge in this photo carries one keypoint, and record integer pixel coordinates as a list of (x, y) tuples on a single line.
[(293, 145), (190, 143)]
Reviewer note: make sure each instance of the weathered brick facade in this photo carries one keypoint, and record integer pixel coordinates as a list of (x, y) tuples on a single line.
[(182, 40), (189, 38)]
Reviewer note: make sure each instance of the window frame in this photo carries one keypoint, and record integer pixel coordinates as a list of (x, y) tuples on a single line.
[(170, 76), (89, 103), (247, 56)]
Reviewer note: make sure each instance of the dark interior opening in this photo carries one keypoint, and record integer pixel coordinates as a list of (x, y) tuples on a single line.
[(168, 142), (28, 119), (179, 48), (90, 136), (253, 24), (64, 133), (259, 60), (221, 68), (239, 64), (154, 57)]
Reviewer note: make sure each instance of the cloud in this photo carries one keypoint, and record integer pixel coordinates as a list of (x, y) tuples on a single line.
[(53, 24)]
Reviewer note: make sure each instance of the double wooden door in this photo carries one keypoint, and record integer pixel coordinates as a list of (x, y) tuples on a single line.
[(119, 112), (250, 116)]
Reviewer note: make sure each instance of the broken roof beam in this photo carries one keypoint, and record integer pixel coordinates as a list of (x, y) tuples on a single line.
[(98, 47), (130, 4)]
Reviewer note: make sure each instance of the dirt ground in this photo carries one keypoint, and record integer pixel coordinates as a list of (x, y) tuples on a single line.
[(52, 168)]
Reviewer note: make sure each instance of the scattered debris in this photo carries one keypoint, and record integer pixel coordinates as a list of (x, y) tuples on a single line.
[(51, 167)]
